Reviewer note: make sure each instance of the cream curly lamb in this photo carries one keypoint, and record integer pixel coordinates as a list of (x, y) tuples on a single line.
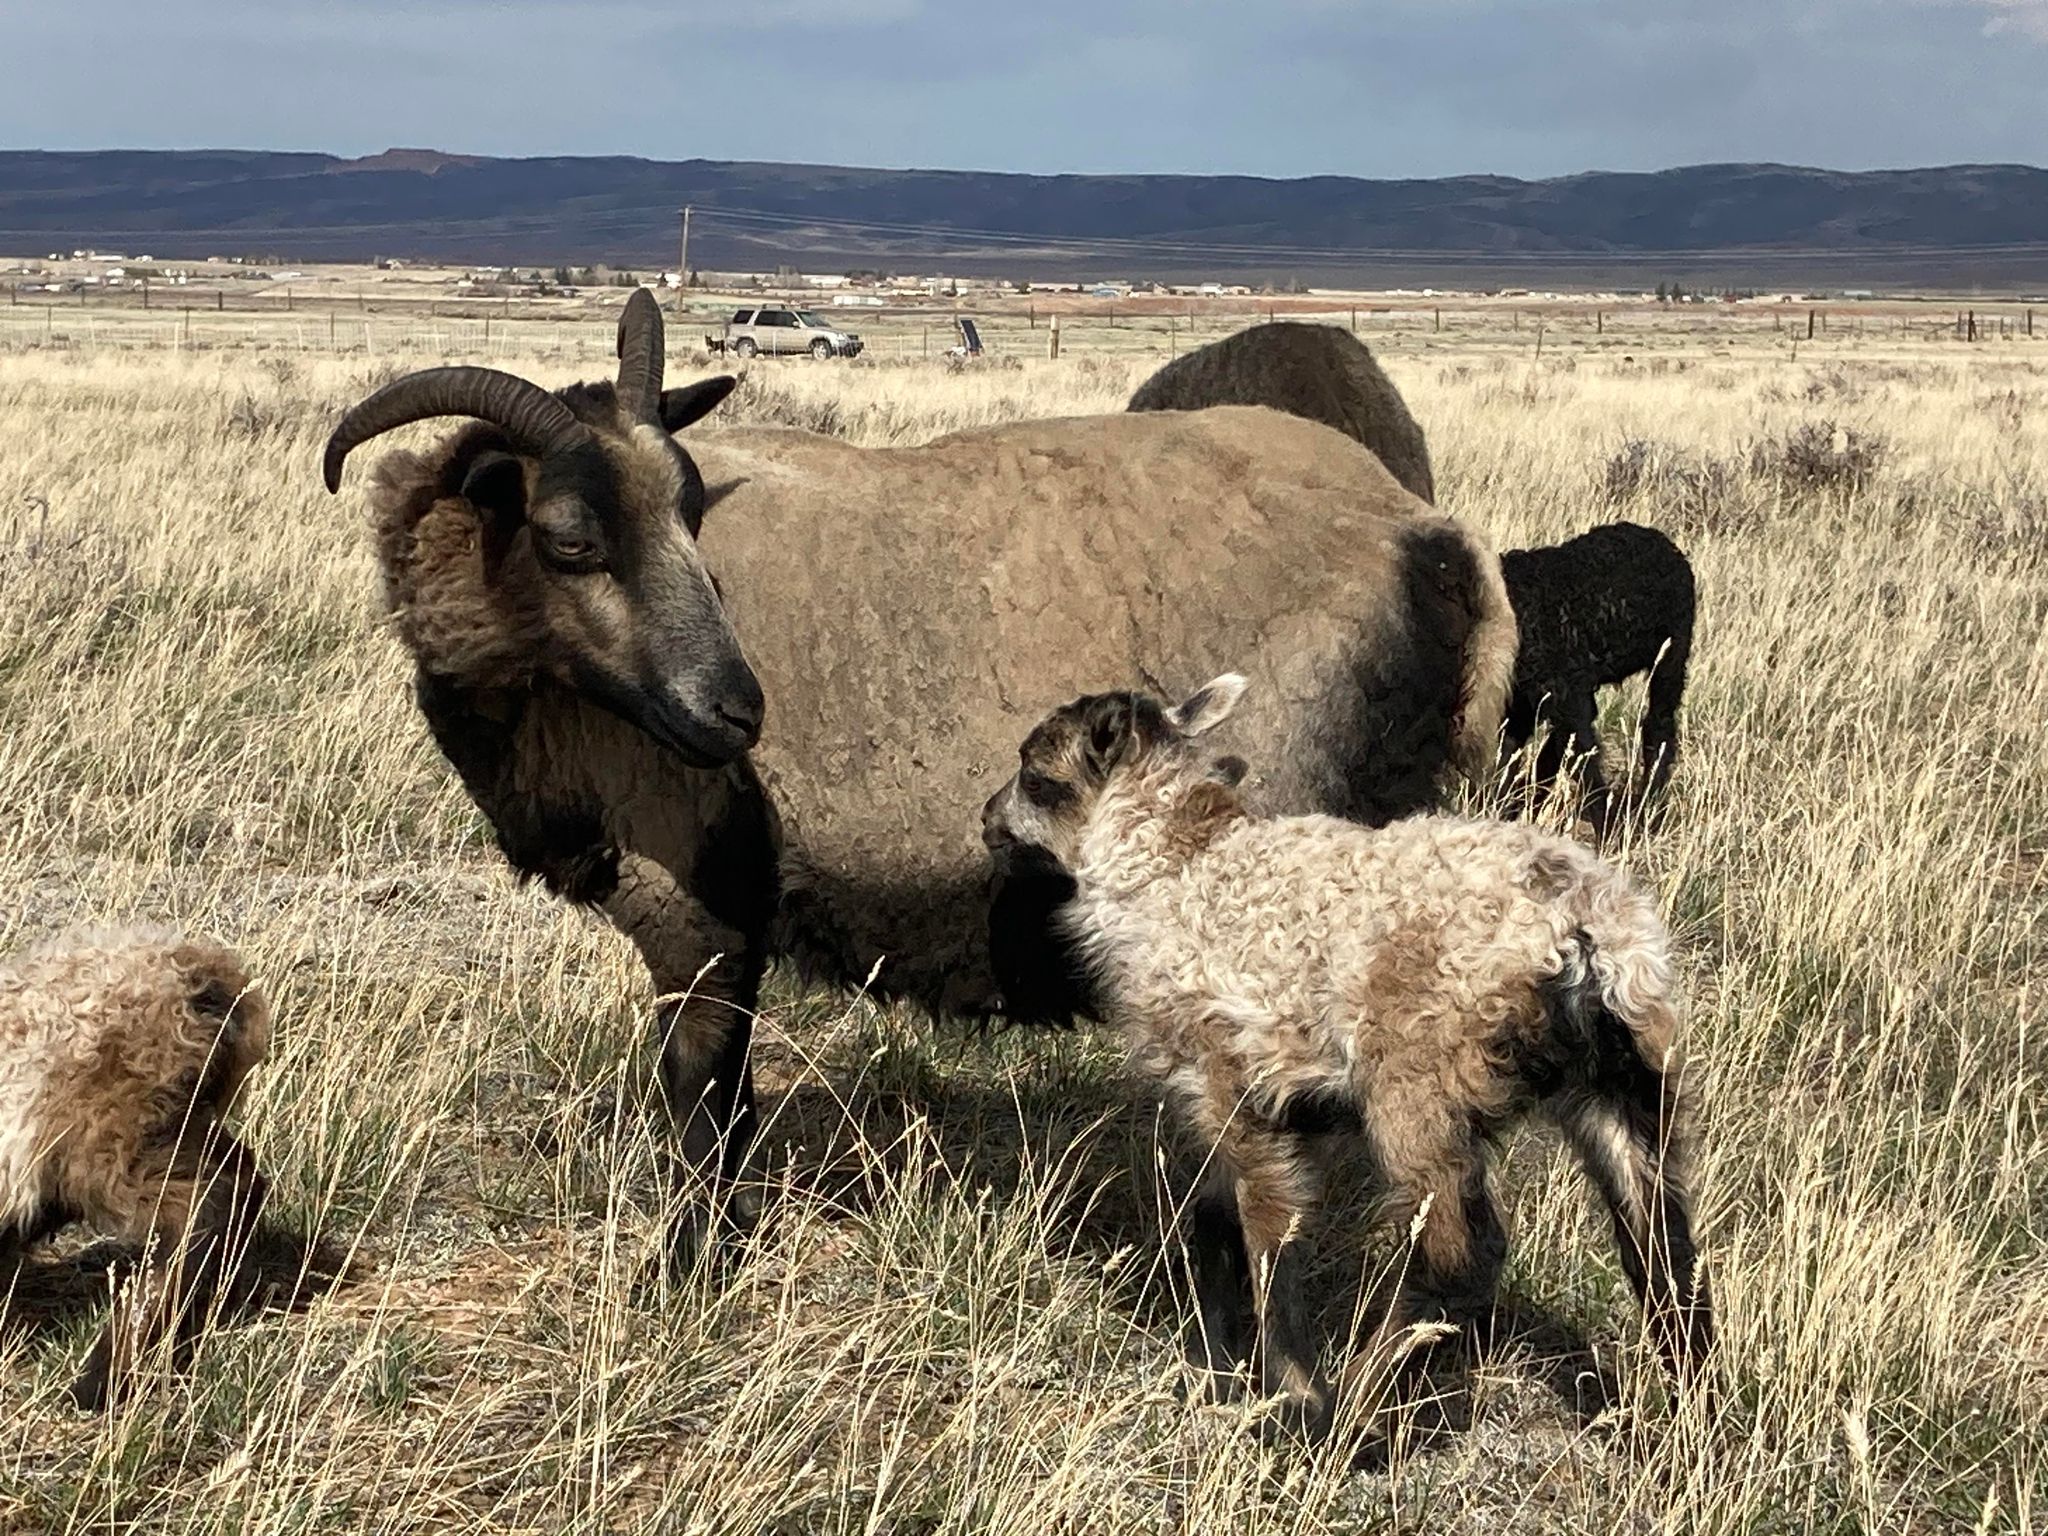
[(1428, 983), (120, 1054)]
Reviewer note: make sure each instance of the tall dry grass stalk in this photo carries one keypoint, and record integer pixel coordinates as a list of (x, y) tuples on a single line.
[(960, 1316)]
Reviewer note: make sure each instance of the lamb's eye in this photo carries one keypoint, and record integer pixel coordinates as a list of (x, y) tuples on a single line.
[(1043, 790)]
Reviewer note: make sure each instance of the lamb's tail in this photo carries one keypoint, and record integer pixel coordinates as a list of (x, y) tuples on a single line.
[(1619, 1103)]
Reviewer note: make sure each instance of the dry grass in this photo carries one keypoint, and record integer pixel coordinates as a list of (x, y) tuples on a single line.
[(957, 1320)]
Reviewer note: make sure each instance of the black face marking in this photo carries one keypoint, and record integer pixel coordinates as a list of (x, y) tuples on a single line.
[(1045, 791)]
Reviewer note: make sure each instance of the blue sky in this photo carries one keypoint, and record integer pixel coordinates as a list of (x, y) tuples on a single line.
[(1261, 87)]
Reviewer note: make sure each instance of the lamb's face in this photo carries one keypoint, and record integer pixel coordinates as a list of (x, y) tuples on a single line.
[(1083, 750)]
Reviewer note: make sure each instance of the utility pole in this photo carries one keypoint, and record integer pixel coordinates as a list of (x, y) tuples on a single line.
[(683, 256)]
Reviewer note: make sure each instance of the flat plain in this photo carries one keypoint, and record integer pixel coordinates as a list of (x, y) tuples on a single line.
[(961, 1315)]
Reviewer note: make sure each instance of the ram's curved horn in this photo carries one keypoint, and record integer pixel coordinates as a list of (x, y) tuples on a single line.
[(535, 420), (640, 357)]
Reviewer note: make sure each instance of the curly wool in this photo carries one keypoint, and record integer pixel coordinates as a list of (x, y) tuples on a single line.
[(120, 1052), (1593, 612), (109, 1042), (1428, 982)]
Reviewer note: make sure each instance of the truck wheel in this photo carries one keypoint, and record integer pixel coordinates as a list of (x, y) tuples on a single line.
[(821, 349), (744, 347)]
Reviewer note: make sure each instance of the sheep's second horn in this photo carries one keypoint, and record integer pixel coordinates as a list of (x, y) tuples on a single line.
[(641, 344), (537, 422)]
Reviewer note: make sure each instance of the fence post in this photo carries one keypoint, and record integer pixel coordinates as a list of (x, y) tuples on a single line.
[(1973, 326), (145, 290), (927, 338), (2030, 324), (1052, 348), (1354, 320), (287, 301), (1599, 323), (1809, 325), (220, 300), (330, 329), (1034, 317), (1539, 341), (1438, 316), (1172, 339)]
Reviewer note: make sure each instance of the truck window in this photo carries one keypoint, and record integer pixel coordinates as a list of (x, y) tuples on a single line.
[(742, 316)]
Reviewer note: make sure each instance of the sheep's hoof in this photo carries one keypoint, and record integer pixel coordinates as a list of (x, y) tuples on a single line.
[(717, 1239)]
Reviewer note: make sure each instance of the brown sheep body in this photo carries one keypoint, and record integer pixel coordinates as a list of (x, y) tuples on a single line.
[(1319, 372), (911, 611), (907, 611), (1428, 983), (120, 1056)]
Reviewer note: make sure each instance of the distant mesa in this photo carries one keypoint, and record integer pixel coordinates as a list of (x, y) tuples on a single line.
[(427, 162)]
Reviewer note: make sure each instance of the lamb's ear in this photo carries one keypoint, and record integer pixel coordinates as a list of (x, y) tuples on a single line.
[(693, 402), (1110, 724), (1208, 706)]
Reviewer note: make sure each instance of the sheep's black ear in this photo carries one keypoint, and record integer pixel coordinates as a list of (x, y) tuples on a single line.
[(1110, 725), (693, 402), (496, 482)]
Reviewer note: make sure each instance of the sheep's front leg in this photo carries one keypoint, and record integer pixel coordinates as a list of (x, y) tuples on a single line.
[(198, 1205), (707, 979)]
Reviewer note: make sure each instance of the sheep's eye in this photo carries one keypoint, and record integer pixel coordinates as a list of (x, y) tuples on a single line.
[(567, 551)]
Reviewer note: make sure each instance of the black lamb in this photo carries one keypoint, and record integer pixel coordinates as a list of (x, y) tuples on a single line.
[(1594, 611)]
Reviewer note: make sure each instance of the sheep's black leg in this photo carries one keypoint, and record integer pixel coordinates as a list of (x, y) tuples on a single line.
[(707, 977), (707, 1082), (199, 1205)]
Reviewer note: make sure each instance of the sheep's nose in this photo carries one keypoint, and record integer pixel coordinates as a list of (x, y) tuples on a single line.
[(741, 706)]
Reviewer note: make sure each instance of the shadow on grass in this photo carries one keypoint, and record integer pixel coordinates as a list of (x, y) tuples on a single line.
[(54, 1291), (1117, 1179)]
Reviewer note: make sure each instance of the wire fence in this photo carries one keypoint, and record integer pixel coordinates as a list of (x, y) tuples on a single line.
[(582, 332)]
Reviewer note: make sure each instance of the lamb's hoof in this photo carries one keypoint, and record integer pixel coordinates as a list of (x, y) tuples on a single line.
[(1297, 1421), (94, 1388), (1419, 1426)]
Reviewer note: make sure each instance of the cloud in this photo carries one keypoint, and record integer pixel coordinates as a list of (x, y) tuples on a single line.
[(2026, 16)]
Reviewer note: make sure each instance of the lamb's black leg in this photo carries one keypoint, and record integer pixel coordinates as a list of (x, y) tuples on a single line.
[(1574, 733), (1222, 1280), (1660, 714)]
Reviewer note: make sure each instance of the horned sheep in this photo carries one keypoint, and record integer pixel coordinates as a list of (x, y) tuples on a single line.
[(1427, 983), (1594, 611), (1317, 372), (550, 569), (120, 1057)]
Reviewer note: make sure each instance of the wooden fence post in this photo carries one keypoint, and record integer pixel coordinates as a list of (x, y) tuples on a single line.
[(220, 300), (1809, 325), (1439, 314), (1052, 346)]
